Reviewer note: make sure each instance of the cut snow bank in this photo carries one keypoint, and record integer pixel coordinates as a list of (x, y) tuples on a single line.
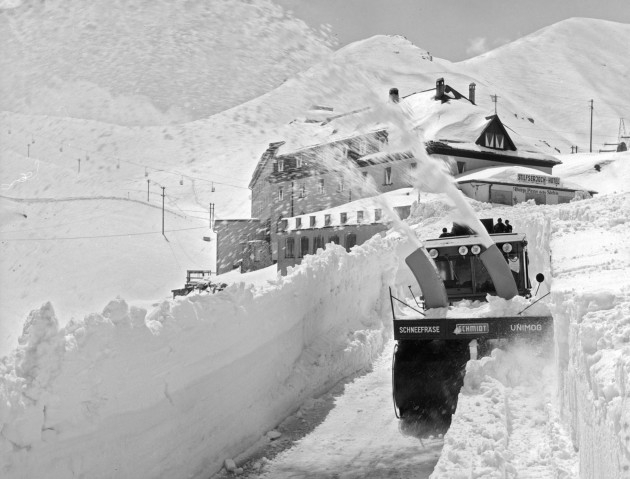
[(513, 411), (591, 307), (505, 425), (174, 392)]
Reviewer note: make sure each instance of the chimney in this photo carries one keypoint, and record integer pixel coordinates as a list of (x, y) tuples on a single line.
[(393, 95), (471, 93), (439, 88)]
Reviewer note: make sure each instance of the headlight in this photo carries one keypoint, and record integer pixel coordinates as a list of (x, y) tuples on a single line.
[(507, 247), (476, 249), (433, 253), (463, 250)]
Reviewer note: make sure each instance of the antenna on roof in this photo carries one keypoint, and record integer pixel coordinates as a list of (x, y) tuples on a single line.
[(495, 99)]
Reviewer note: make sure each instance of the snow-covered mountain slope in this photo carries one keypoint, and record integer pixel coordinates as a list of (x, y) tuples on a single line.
[(81, 59), (551, 75), (77, 384), (215, 157)]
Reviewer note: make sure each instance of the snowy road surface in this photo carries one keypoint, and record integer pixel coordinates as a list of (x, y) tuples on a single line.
[(360, 437), (505, 413)]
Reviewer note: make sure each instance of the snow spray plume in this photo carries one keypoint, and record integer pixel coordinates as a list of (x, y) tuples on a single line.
[(430, 174), (372, 112)]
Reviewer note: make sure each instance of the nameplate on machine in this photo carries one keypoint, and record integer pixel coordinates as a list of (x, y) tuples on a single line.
[(472, 328), (418, 329)]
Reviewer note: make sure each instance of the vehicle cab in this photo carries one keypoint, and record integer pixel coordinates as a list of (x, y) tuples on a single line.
[(464, 274)]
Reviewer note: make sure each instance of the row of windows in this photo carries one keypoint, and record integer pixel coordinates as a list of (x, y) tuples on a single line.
[(343, 218), (341, 186), (359, 147), (495, 140), (304, 246), (299, 162)]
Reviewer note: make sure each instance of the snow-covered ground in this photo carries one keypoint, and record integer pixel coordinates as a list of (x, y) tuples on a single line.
[(155, 387), (199, 379)]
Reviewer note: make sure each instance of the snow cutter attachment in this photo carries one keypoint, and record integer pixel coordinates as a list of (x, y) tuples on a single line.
[(431, 352)]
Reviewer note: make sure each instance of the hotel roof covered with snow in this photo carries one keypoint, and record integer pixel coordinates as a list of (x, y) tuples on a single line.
[(330, 159)]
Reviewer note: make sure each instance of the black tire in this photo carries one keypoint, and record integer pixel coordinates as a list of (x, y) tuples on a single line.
[(427, 377)]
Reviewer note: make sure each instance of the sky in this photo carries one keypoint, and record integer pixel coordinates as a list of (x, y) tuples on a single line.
[(451, 29)]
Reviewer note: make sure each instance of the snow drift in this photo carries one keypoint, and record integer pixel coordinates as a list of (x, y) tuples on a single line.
[(194, 381)]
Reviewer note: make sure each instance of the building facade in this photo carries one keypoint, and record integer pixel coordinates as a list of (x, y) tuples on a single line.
[(350, 161), (512, 185)]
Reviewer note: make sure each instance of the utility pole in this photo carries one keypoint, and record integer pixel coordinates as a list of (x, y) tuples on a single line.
[(591, 143), (79, 167), (163, 188), (211, 214), (28, 150), (148, 181)]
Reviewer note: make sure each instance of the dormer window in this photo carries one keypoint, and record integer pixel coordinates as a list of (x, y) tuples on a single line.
[(495, 140), (299, 162), (495, 136), (387, 180), (280, 165)]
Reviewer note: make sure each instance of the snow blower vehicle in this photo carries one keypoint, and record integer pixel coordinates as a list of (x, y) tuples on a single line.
[(435, 340)]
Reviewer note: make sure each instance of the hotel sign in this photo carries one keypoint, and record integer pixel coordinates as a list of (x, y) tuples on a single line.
[(536, 192), (538, 179)]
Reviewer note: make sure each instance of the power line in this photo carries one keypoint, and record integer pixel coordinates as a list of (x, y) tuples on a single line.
[(101, 236), (119, 158)]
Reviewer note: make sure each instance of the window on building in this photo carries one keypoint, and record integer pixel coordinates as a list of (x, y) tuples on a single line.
[(388, 176), (298, 223), (461, 167), (359, 216), (362, 146), (327, 220), (303, 246), (312, 223), (333, 239), (280, 165), (343, 218), (280, 194), (318, 242), (321, 187), (365, 175), (257, 253), (495, 140), (403, 212), (413, 166), (351, 240), (503, 197), (340, 185), (302, 191), (299, 162), (289, 251), (378, 213)]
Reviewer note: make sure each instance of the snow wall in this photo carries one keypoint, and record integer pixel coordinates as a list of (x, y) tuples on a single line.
[(583, 249), (197, 380), (592, 317)]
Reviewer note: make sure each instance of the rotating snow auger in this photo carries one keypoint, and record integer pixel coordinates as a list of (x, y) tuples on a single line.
[(432, 351)]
